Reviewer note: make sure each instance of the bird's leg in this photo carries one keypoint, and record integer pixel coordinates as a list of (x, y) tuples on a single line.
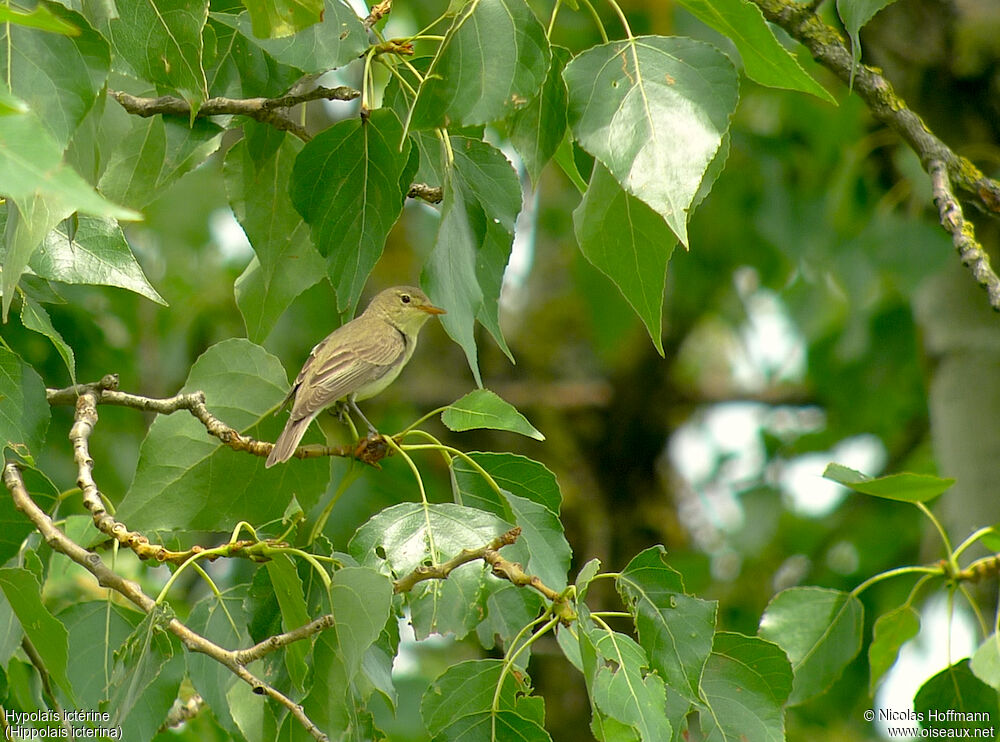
[(372, 432), (341, 409)]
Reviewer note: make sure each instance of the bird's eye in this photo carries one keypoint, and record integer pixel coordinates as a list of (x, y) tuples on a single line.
[(405, 298)]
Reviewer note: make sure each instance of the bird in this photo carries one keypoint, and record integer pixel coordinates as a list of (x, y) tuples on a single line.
[(355, 362)]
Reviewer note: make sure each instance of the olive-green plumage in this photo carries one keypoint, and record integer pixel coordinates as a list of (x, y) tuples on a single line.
[(355, 361)]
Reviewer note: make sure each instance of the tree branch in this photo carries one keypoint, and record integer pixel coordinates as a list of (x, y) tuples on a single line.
[(378, 12), (86, 397), (266, 110), (367, 450), (107, 578), (828, 48), (441, 571)]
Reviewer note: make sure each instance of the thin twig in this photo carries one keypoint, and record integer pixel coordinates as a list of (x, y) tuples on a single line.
[(428, 193), (378, 12), (441, 571), (266, 110), (368, 450), (183, 711), (962, 233), (107, 578)]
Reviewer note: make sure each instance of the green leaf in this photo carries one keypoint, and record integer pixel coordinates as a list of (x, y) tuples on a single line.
[(406, 536), (765, 60), (90, 660), (148, 670), (11, 104), (629, 243), (745, 685), (537, 129), (523, 477), (34, 317), (464, 274), (955, 700), (542, 547), (904, 487), (339, 39), (654, 111), (585, 576), (28, 221), (674, 628), (40, 17), (493, 60), (153, 153), (261, 302), (362, 603), (508, 610), (891, 631), (459, 705), (361, 600), (185, 479), (31, 163), (43, 630), (286, 262), (24, 410), (276, 18), (855, 14), (346, 185), (820, 631), (14, 527), (985, 663), (221, 619), (59, 76), (566, 160), (91, 250), (238, 67), (485, 409), (621, 686), (162, 41), (294, 613)]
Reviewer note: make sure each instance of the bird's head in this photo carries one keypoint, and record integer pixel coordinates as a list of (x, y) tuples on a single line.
[(404, 307)]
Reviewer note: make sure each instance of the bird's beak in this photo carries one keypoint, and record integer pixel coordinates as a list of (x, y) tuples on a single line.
[(431, 309)]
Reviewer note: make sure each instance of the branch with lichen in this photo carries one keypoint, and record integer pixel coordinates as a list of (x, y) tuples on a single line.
[(108, 578), (963, 234), (827, 46)]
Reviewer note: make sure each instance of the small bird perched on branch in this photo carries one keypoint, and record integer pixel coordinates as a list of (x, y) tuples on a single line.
[(355, 362)]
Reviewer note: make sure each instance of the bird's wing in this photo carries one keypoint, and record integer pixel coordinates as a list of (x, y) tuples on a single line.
[(333, 371)]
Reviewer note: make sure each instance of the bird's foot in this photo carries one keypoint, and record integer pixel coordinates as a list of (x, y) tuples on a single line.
[(372, 449)]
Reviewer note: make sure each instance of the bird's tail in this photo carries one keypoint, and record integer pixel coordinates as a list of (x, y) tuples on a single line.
[(288, 441)]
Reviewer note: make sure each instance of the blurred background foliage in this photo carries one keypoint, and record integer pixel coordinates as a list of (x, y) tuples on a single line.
[(812, 320)]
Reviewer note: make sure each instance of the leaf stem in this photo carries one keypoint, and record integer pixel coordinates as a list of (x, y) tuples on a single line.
[(941, 532), (972, 539), (509, 660), (349, 478), (423, 495), (552, 19), (597, 20), (930, 571), (420, 420), (621, 16), (462, 455)]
